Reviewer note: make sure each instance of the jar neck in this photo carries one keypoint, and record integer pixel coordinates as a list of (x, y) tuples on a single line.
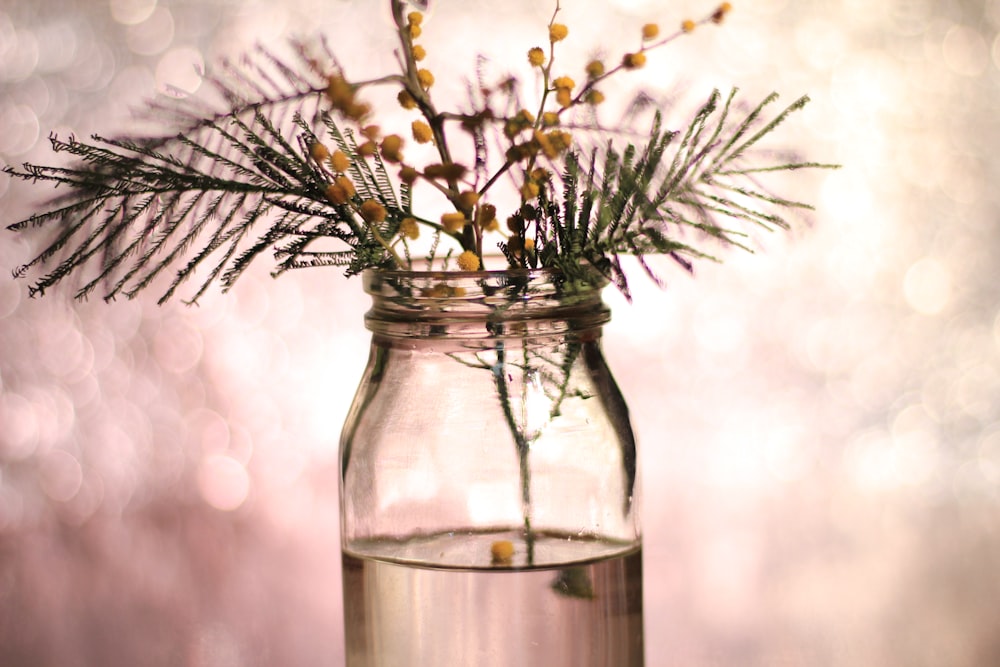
[(482, 305)]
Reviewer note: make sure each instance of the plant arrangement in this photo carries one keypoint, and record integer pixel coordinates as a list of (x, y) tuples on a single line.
[(290, 161)]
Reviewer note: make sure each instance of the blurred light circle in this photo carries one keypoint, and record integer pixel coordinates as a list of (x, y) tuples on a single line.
[(20, 128), (989, 457), (927, 286), (179, 71), (19, 53), (19, 434), (153, 35), (965, 51), (223, 482), (60, 475), (131, 12), (178, 346), (60, 40)]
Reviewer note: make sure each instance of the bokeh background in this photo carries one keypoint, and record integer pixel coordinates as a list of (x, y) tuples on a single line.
[(819, 421)]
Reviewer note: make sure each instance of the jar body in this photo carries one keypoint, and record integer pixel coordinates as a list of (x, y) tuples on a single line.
[(488, 480)]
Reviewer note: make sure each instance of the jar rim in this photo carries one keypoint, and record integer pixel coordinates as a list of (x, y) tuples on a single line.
[(423, 304)]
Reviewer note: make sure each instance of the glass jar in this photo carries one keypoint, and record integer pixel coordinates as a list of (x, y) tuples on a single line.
[(489, 486)]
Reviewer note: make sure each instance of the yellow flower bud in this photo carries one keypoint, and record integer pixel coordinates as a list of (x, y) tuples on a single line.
[(595, 97), (415, 30), (415, 18), (425, 78), (406, 100), (650, 31), (419, 52), (564, 97), (564, 82), (721, 12), (468, 261), (392, 146), (319, 152), (339, 92), (634, 60), (550, 118), (536, 56), (408, 175), (557, 32), (445, 171), (339, 161), (371, 132), (422, 133), (367, 149), (357, 111), (468, 199), (688, 26), (409, 228), (529, 190), (453, 222), (340, 191), (595, 69), (486, 216), (346, 184), (529, 244), (372, 211)]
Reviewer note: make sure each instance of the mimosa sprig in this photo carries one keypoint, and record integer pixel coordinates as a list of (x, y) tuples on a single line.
[(294, 165)]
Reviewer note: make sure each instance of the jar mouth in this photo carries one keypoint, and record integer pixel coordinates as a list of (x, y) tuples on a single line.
[(529, 281), (422, 304)]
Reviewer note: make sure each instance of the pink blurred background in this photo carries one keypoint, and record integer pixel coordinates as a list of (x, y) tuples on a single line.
[(819, 422)]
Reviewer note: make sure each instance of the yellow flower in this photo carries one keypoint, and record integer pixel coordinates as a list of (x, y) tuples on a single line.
[(595, 97), (409, 228), (557, 32), (595, 69), (408, 175), (339, 92), (406, 100), (502, 551), (468, 199), (564, 82), (550, 118), (425, 77), (522, 120), (319, 152), (392, 146), (529, 190), (486, 217), (419, 52), (468, 261), (650, 31), (415, 18), (721, 12), (421, 132), (371, 132), (688, 26), (339, 161), (340, 191), (634, 60), (564, 97), (529, 244), (415, 30), (536, 56), (453, 222), (358, 111), (367, 149), (446, 171), (372, 211)]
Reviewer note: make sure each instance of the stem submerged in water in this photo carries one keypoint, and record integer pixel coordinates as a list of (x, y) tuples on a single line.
[(520, 442)]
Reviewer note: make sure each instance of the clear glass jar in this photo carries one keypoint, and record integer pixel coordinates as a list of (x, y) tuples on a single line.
[(488, 479)]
